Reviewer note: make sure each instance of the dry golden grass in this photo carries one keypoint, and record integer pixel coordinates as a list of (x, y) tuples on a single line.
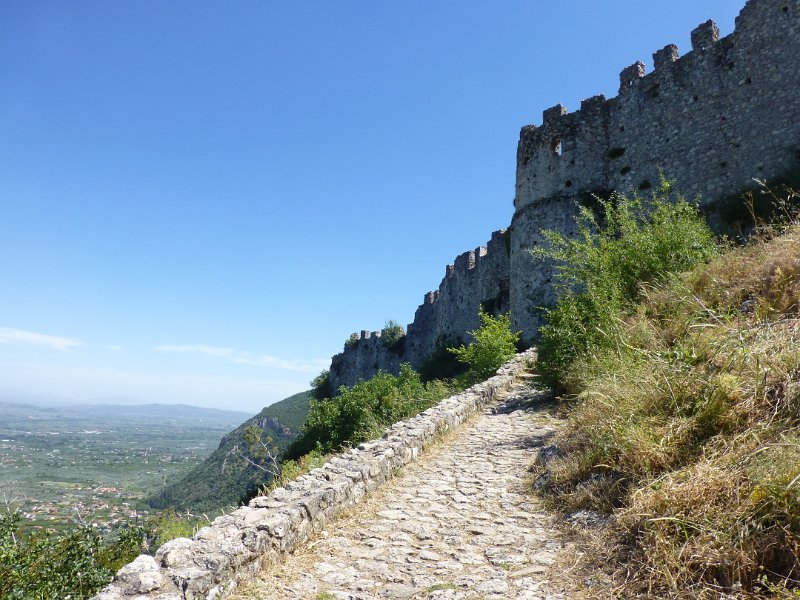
[(688, 432)]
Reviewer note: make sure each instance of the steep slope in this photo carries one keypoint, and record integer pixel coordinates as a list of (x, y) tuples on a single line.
[(683, 428), (225, 477)]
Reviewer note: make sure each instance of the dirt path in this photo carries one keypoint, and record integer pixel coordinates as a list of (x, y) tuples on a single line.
[(459, 523)]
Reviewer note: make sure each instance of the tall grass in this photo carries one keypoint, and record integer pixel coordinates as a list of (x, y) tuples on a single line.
[(685, 427)]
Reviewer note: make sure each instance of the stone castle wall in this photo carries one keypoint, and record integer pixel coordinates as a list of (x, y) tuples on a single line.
[(362, 358), (712, 120), (476, 278)]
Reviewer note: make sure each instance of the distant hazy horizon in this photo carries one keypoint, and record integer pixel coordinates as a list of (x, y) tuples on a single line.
[(50, 401)]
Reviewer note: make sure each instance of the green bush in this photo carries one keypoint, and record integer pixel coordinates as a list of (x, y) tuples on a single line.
[(361, 412), (393, 336), (600, 272), (492, 344), (320, 385), (686, 430), (442, 364), (43, 565), (168, 525), (78, 561)]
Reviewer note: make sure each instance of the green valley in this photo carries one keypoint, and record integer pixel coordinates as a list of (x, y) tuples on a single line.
[(96, 463)]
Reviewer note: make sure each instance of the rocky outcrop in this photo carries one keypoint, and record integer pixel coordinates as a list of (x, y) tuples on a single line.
[(237, 545)]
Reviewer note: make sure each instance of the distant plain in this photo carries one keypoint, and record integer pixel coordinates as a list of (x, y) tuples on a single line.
[(97, 463)]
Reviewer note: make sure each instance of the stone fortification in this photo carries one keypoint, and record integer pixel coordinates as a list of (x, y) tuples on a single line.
[(712, 120), (363, 356), (476, 278), (236, 546)]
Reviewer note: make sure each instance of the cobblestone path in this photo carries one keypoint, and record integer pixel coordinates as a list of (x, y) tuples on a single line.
[(459, 523)]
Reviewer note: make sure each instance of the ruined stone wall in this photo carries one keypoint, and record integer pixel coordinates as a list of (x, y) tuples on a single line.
[(364, 357), (711, 120), (478, 277), (236, 546)]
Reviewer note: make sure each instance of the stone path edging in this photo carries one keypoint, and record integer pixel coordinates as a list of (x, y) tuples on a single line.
[(236, 546), (461, 523)]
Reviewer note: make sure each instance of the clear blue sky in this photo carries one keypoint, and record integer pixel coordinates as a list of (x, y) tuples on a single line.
[(201, 201)]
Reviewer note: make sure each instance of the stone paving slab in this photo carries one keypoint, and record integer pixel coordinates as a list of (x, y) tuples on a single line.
[(459, 523)]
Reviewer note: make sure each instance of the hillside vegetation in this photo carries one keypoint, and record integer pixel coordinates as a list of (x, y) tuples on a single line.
[(225, 477), (363, 411), (296, 434), (683, 400)]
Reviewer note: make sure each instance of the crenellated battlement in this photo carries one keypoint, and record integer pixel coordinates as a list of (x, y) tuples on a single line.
[(704, 36), (553, 114), (666, 57), (629, 76), (468, 263), (464, 262), (710, 120), (580, 151), (474, 277), (366, 335)]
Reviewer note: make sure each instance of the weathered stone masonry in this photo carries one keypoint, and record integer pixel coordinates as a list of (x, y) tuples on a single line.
[(236, 546), (712, 120), (480, 276)]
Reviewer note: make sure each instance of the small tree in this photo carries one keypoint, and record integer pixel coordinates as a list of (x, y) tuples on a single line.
[(493, 343), (393, 335), (320, 385), (261, 452)]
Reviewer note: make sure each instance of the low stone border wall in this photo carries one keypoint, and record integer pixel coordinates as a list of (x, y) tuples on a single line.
[(236, 546)]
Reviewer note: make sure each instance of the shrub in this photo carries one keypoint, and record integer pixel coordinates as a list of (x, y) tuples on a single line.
[(492, 344), (600, 272), (351, 341), (49, 565), (362, 411), (442, 364), (393, 336), (292, 469), (686, 429), (168, 525), (320, 385), (129, 541), (76, 561)]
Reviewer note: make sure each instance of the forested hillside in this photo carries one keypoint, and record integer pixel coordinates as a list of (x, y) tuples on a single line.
[(225, 477)]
